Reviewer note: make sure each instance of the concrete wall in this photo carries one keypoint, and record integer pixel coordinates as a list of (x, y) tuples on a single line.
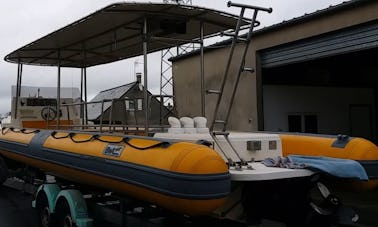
[(330, 104), (186, 76)]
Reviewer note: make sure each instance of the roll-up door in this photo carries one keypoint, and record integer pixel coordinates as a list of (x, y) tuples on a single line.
[(347, 40)]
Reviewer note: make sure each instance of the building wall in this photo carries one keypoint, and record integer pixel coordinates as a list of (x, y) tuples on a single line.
[(249, 102), (186, 76), (317, 26)]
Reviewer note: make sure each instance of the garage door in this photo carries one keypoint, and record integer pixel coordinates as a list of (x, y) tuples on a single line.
[(347, 40)]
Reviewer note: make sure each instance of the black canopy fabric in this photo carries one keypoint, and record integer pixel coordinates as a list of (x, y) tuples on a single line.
[(116, 32)]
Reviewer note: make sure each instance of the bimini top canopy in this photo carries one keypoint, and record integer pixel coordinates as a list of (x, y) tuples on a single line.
[(115, 32)]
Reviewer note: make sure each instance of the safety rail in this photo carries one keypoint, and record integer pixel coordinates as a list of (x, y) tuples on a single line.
[(111, 124)]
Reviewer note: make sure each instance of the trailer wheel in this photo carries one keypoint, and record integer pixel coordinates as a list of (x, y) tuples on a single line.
[(63, 213), (3, 171), (44, 213)]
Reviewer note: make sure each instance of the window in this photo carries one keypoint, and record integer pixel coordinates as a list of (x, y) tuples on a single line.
[(40, 102), (307, 123), (130, 105), (295, 123), (140, 104), (310, 123)]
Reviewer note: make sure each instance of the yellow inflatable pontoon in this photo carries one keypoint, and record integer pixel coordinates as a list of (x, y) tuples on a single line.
[(341, 146), (183, 177)]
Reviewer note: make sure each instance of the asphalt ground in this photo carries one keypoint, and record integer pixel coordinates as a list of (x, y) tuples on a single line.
[(16, 210), (365, 204)]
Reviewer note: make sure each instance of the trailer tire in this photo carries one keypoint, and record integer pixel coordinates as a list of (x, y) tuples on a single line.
[(3, 171), (45, 217), (63, 214)]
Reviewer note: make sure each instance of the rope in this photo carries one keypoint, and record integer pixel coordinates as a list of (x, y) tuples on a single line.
[(163, 144), (5, 130), (53, 135), (126, 140)]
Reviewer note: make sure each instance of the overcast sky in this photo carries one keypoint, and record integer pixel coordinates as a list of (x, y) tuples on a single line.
[(24, 21)]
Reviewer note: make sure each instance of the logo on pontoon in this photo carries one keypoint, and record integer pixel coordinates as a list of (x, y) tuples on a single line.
[(113, 150)]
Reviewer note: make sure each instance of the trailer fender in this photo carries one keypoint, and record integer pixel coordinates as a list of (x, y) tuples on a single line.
[(77, 205), (51, 191)]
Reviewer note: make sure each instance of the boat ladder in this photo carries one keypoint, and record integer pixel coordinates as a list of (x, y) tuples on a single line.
[(218, 127)]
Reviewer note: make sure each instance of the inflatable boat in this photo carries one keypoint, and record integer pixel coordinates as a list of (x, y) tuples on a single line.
[(184, 177), (163, 170), (341, 146)]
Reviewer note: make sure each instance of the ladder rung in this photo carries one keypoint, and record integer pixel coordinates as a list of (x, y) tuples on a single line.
[(269, 10), (213, 92), (241, 39), (221, 133), (220, 121), (247, 69), (227, 34)]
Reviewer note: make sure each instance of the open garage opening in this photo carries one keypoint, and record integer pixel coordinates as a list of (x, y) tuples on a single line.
[(328, 95)]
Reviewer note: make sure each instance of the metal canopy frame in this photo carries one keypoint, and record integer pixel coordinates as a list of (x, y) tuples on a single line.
[(114, 33), (122, 31)]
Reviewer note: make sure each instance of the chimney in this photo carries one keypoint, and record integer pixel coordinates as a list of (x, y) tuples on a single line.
[(139, 78)]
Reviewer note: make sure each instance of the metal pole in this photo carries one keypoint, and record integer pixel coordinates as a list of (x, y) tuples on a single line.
[(145, 85), (202, 74), (111, 115), (81, 96), (20, 79), (58, 93), (102, 114), (18, 89), (85, 96), (161, 86)]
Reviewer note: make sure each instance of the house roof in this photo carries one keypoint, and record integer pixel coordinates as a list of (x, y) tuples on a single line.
[(293, 21), (94, 110), (115, 33)]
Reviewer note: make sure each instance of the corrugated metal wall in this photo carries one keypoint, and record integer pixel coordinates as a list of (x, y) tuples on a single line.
[(338, 42)]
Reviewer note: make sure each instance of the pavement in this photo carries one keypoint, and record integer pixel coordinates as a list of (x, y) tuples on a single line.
[(15, 209), (365, 204)]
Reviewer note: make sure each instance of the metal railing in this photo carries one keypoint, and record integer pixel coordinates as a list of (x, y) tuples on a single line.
[(107, 118)]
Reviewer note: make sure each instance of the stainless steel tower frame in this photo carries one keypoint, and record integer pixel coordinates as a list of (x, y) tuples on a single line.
[(166, 80)]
